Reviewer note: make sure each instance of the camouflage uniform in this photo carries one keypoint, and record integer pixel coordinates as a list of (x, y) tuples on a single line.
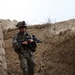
[(25, 54)]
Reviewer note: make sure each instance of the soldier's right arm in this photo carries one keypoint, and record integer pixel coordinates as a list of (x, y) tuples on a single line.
[(15, 42)]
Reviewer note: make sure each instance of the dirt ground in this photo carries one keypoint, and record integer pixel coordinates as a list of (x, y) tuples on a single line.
[(54, 56)]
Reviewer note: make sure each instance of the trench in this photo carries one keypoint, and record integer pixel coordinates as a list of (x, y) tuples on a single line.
[(55, 56)]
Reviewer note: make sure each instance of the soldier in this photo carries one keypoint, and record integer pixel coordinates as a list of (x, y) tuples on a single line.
[(23, 49)]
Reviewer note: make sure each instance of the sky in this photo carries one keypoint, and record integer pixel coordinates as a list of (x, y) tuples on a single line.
[(37, 11)]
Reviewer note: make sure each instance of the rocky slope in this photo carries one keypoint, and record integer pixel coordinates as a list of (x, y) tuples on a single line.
[(56, 54)]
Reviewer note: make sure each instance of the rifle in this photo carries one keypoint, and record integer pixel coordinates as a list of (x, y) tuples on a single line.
[(32, 45), (35, 39), (27, 38)]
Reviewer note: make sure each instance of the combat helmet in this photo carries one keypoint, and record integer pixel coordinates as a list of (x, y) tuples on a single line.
[(21, 24)]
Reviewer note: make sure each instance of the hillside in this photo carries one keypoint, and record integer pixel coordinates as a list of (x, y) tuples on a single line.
[(56, 54)]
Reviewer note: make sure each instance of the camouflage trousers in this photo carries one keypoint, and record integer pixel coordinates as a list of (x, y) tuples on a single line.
[(27, 64)]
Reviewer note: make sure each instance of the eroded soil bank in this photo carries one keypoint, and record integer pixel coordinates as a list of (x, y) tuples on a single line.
[(56, 54)]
